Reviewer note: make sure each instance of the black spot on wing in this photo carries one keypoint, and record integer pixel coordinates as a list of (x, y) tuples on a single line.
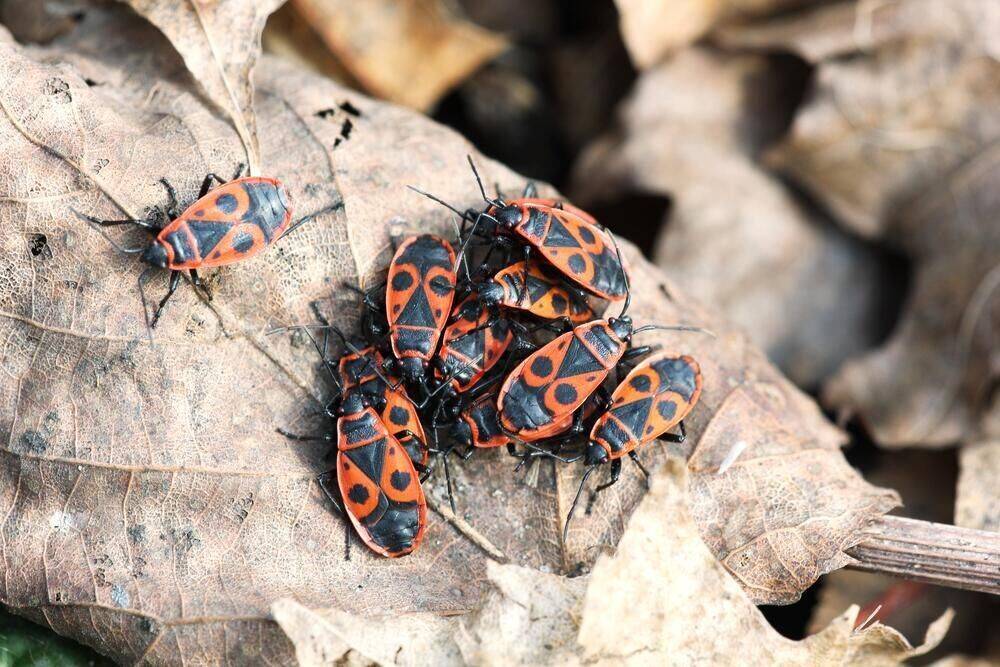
[(640, 383), (226, 203), (358, 494), (400, 480), (242, 242), (577, 264), (566, 394), (667, 409), (541, 366), (399, 416), (402, 281)]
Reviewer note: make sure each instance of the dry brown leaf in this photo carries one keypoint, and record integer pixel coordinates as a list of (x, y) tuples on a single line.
[(149, 508), (899, 140), (406, 51), (220, 43), (672, 603), (734, 237), (654, 28)]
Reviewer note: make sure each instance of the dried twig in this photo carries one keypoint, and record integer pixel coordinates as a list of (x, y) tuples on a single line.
[(935, 553)]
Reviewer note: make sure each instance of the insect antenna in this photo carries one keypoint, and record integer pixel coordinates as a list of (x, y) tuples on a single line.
[(680, 327), (95, 223), (576, 500), (315, 214), (438, 200), (482, 190)]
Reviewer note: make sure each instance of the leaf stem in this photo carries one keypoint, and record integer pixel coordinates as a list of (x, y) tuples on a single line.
[(935, 553)]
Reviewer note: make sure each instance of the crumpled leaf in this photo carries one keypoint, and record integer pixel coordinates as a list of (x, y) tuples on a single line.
[(670, 594), (690, 131), (332, 636), (671, 601), (898, 140), (407, 51), (653, 28), (528, 618), (220, 43), (149, 507)]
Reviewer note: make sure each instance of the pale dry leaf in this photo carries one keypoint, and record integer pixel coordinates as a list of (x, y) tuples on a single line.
[(735, 237), (672, 603), (149, 508), (220, 43), (407, 51), (328, 636), (652, 29), (528, 618)]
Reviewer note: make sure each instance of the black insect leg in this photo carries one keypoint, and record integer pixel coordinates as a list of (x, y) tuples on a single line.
[(200, 285), (305, 438), (645, 473), (526, 253), (530, 190), (206, 184), (631, 356), (328, 482), (676, 437), (616, 473), (172, 204), (175, 280)]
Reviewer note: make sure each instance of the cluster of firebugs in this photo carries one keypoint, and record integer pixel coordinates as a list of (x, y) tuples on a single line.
[(488, 341)]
